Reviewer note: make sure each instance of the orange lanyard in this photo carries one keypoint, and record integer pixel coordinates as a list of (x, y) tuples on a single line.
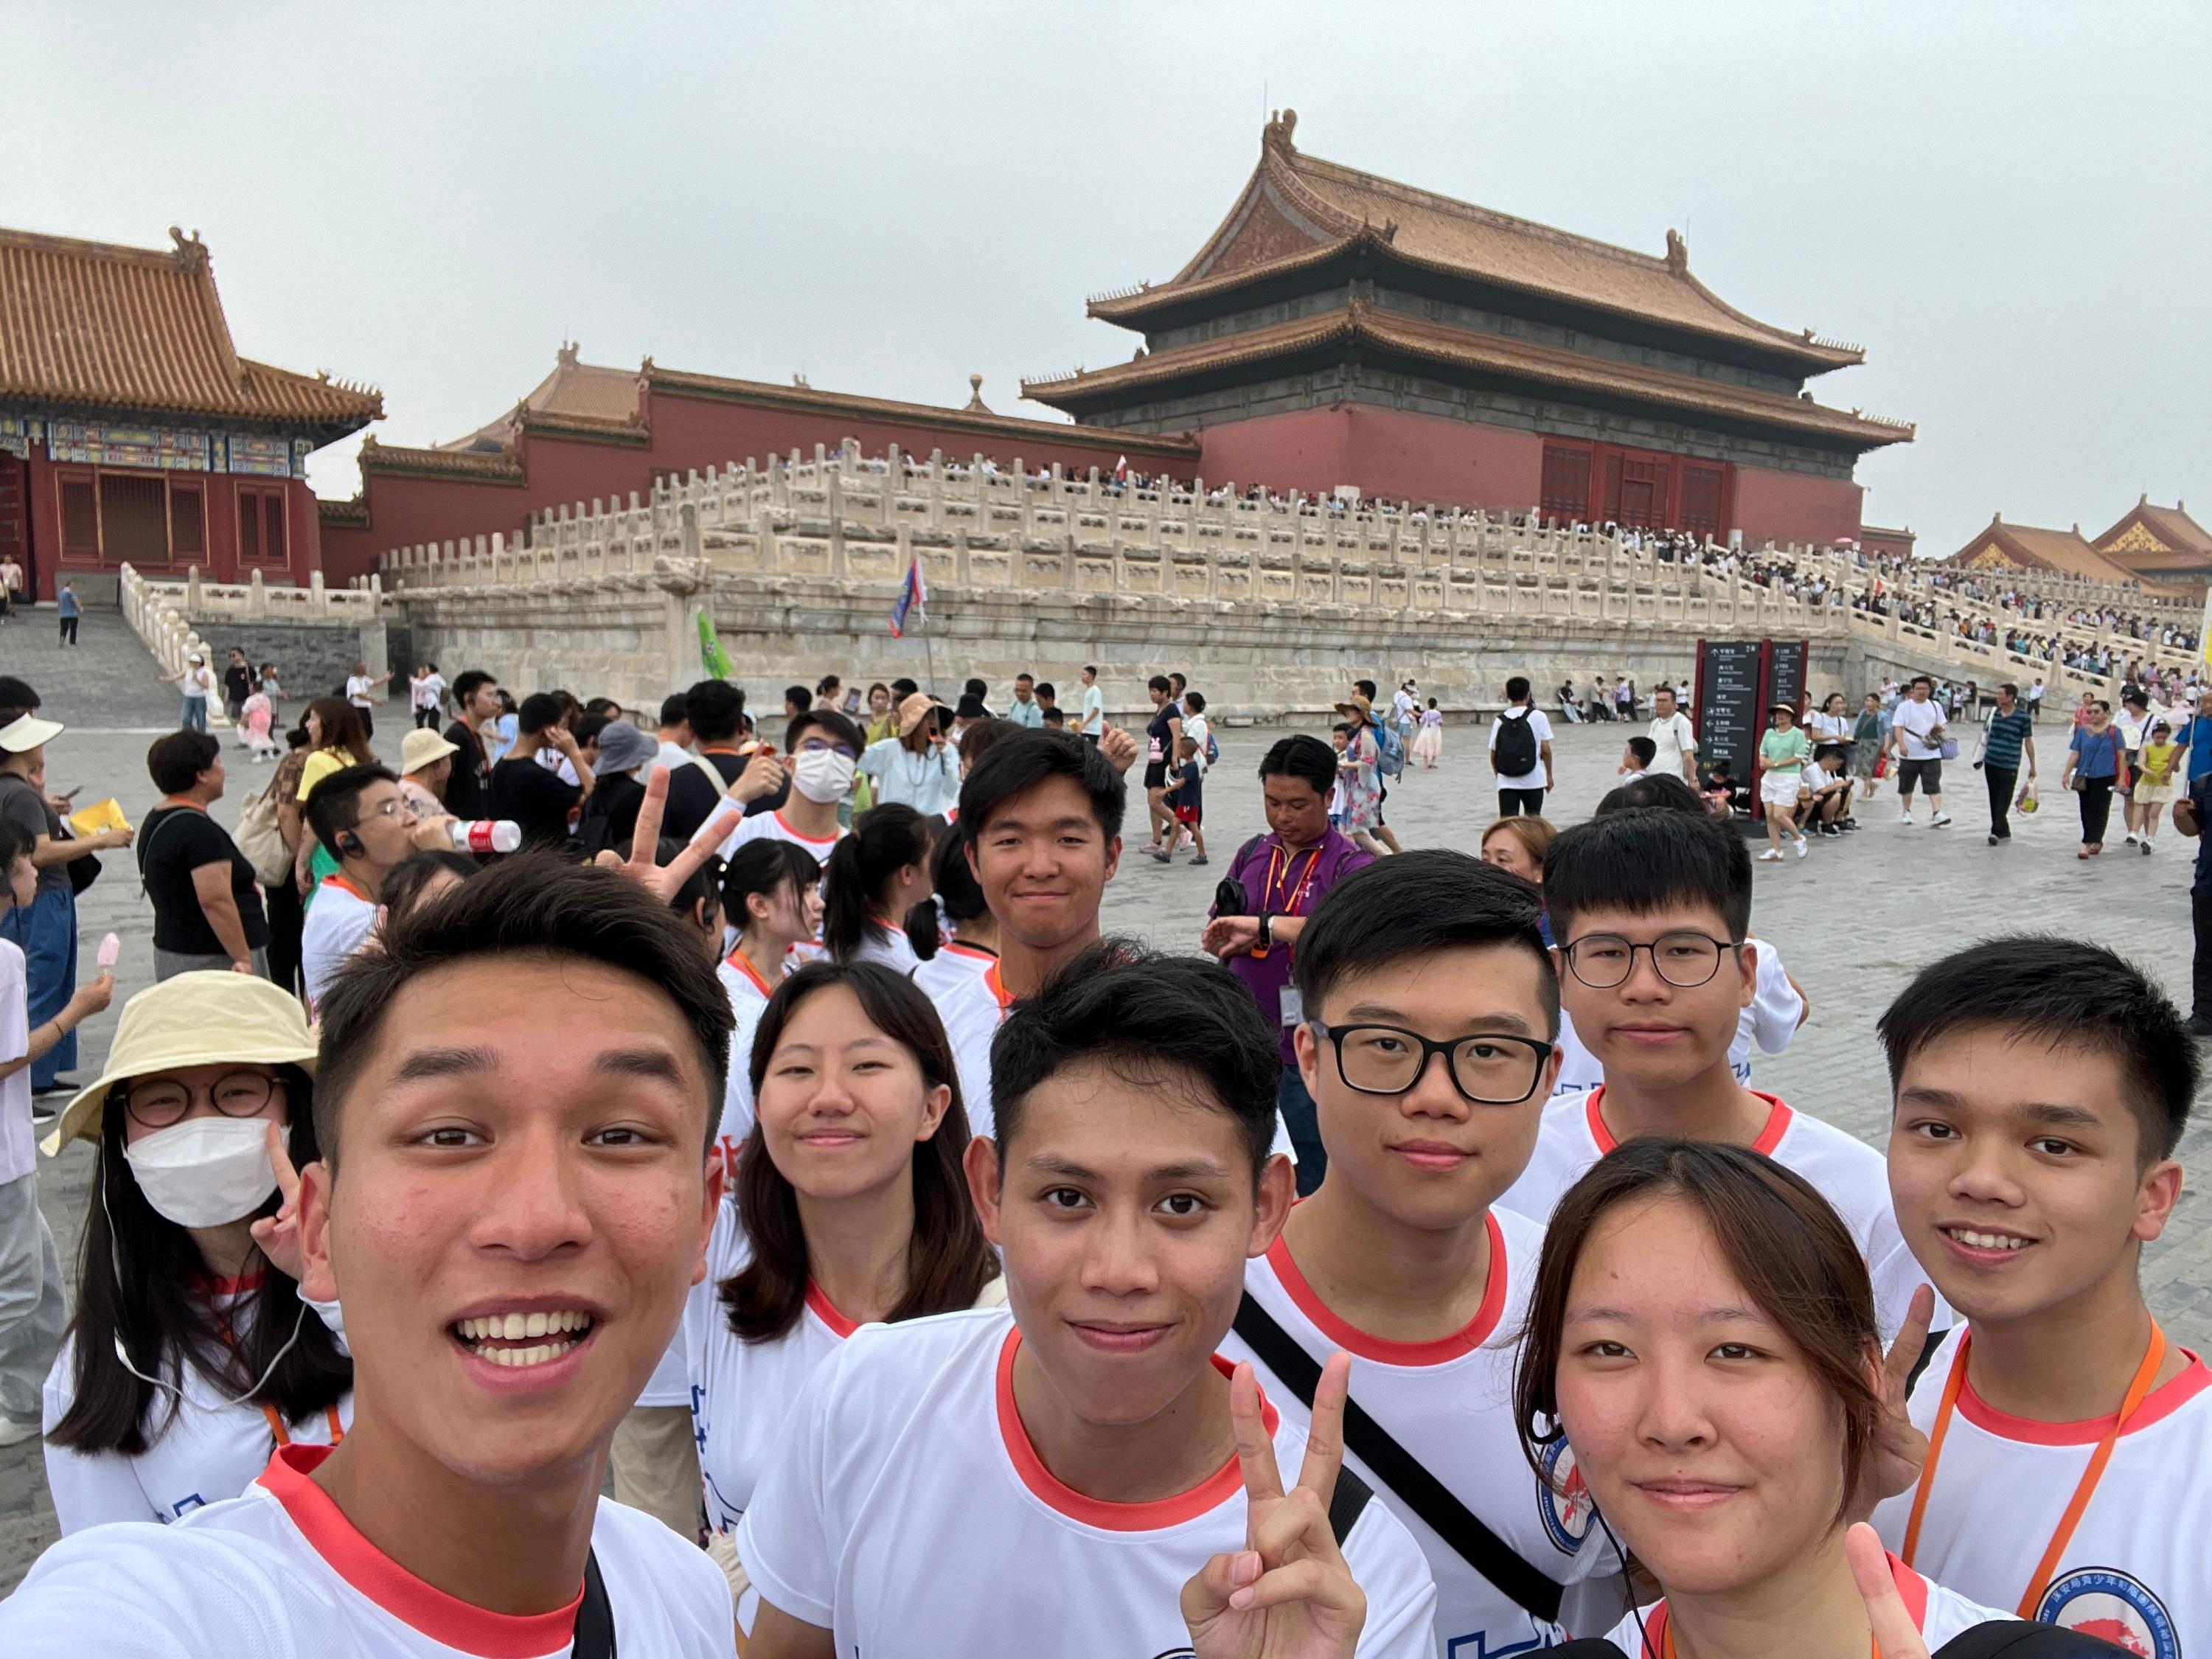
[(1279, 865), (283, 1437), (2153, 1357)]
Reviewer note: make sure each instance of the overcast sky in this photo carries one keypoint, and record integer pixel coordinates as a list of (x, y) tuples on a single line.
[(2006, 203)]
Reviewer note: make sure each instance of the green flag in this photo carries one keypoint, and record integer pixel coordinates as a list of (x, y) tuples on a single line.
[(712, 660)]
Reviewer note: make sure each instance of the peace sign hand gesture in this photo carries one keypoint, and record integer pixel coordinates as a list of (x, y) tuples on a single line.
[(1288, 1594), (1894, 1633), (1899, 1448), (661, 880), (278, 1235)]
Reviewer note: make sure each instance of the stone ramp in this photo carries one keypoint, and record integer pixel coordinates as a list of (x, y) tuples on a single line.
[(107, 680)]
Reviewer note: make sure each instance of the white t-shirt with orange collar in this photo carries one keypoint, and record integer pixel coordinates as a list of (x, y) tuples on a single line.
[(1843, 1169), (907, 1511), (1450, 1404), (339, 923), (1939, 1614), (749, 993), (205, 1450), (972, 1005), (278, 1572), (741, 1391), (770, 826), (951, 967), (2135, 1570)]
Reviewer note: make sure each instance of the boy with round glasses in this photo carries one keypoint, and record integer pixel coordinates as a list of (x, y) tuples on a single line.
[(1651, 908), (1430, 1009)]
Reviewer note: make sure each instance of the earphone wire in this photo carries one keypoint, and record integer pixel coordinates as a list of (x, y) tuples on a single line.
[(1628, 1583), (115, 1257)]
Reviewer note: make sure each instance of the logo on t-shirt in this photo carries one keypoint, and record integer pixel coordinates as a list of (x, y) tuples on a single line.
[(2107, 1603), (1562, 1499)]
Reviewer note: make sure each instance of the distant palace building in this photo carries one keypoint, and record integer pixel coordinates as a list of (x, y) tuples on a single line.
[(2160, 549), (130, 428), (2162, 545), (1338, 329), (1342, 328)]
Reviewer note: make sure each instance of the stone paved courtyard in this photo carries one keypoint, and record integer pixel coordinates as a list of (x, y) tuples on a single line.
[(1852, 922)]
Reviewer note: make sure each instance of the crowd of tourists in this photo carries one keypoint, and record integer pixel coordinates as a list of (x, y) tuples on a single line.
[(748, 1104)]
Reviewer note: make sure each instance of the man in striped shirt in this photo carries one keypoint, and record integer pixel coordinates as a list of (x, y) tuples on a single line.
[(2012, 729)]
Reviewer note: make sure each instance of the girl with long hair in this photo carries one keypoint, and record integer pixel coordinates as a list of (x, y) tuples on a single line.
[(191, 1356), (772, 895), (1700, 1376), (335, 740), (848, 1207), (873, 878), (916, 766)]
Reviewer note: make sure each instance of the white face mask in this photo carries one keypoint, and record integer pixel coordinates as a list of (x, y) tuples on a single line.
[(206, 1170), (822, 774)]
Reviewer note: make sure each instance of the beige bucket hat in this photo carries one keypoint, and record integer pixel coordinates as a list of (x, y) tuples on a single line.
[(206, 1017)]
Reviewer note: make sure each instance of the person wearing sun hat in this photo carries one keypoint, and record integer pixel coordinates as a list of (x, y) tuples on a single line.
[(45, 929), (426, 760), (192, 1355), (1360, 770), (917, 767)]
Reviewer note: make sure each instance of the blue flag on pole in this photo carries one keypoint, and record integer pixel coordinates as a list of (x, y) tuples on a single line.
[(913, 595)]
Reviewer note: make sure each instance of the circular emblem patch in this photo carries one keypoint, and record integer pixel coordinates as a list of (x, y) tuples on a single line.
[(1562, 1499), (2107, 1603)]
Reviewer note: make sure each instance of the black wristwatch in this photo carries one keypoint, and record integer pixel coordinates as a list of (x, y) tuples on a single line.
[(1266, 928)]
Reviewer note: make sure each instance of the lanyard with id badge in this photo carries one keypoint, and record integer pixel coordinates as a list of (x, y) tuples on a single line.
[(1278, 884)]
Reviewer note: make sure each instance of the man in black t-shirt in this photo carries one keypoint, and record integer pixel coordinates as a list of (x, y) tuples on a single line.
[(207, 906), (716, 710), (530, 792), (468, 785), (237, 685)]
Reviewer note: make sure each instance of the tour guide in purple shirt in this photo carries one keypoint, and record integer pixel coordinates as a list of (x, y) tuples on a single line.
[(1273, 883)]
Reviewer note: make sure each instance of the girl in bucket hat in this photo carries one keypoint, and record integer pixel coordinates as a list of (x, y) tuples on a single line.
[(192, 1355)]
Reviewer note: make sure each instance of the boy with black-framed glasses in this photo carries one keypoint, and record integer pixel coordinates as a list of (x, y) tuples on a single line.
[(1430, 1012), (1651, 908)]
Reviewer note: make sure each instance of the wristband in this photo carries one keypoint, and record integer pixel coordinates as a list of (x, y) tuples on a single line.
[(1266, 928)]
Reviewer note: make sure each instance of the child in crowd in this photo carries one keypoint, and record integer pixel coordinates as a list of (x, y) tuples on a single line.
[(1651, 909), (1719, 790), (1636, 759), (1429, 746), (2042, 1085), (2154, 785), (257, 716), (1186, 799), (1339, 738)]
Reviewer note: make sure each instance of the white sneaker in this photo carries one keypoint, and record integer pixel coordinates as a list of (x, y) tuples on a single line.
[(1800, 847), (13, 1432), (2130, 838), (1772, 855), (1939, 820), (1905, 817)]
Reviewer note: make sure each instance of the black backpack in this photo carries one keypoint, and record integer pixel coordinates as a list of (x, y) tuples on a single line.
[(1516, 744)]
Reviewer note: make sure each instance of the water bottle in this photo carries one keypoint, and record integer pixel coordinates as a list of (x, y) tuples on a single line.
[(485, 835)]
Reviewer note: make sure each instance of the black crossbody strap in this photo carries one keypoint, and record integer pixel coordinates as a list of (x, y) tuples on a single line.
[(1348, 1503), (1401, 1472), (595, 1618)]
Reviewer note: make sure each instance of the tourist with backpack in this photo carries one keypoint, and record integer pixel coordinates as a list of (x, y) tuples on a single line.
[(1521, 752), (1389, 763)]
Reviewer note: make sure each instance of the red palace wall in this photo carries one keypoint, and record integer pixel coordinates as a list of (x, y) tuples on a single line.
[(687, 433), (219, 556), (1792, 507), (1388, 453)]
